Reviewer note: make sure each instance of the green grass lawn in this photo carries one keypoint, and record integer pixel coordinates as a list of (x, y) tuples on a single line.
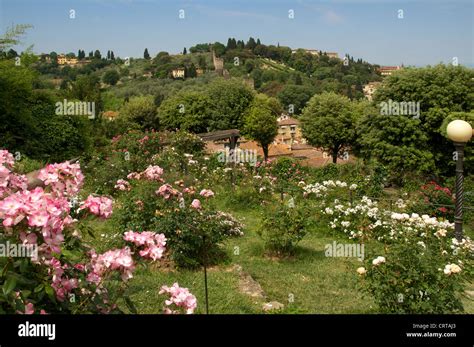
[(308, 282)]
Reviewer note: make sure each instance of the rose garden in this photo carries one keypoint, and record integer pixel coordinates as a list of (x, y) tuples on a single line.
[(130, 230)]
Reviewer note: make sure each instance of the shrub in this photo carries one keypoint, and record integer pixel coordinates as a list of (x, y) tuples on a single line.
[(130, 152), (194, 236), (436, 201), (141, 110), (421, 271), (194, 231), (282, 228)]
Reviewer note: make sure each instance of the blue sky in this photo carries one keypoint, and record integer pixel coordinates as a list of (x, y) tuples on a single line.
[(431, 31)]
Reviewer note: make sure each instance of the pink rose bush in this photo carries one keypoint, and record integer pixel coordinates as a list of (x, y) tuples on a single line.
[(100, 206), (207, 193), (37, 212), (9, 181), (152, 244), (61, 283), (67, 276), (64, 179), (185, 213), (116, 259), (6, 158), (151, 173), (180, 299), (196, 204), (123, 185), (167, 191)]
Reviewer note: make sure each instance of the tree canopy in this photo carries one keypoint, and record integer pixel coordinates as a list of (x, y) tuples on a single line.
[(260, 121), (328, 121)]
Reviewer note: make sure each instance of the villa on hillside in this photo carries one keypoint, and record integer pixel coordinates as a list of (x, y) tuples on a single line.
[(388, 70), (317, 53), (178, 73), (63, 60)]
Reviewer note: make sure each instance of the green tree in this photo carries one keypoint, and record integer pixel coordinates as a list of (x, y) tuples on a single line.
[(218, 48), (191, 71), (187, 110), (54, 56), (251, 44), (260, 121), (231, 43), (162, 58), (97, 54), (87, 88), (439, 90), (230, 100), (29, 123), (328, 121), (16, 122), (146, 55), (185, 51), (111, 77), (200, 48), (295, 97), (12, 36), (201, 62), (141, 110)]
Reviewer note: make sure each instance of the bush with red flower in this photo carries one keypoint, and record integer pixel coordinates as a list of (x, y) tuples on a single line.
[(436, 201)]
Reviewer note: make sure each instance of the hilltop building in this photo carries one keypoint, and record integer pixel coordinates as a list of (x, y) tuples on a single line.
[(63, 60), (317, 53), (388, 70), (178, 73)]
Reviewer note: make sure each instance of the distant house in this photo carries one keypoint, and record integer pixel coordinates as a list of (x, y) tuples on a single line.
[(289, 131), (388, 70), (370, 88), (199, 72), (63, 60), (333, 55), (317, 53), (178, 73)]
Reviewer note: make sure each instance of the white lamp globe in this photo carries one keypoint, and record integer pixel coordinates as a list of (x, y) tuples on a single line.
[(459, 131)]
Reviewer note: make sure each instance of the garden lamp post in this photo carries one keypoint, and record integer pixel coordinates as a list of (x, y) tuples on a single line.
[(460, 132)]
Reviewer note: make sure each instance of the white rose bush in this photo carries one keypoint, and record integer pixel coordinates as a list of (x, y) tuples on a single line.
[(414, 265)]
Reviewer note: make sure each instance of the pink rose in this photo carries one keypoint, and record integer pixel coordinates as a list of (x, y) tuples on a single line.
[(196, 204)]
